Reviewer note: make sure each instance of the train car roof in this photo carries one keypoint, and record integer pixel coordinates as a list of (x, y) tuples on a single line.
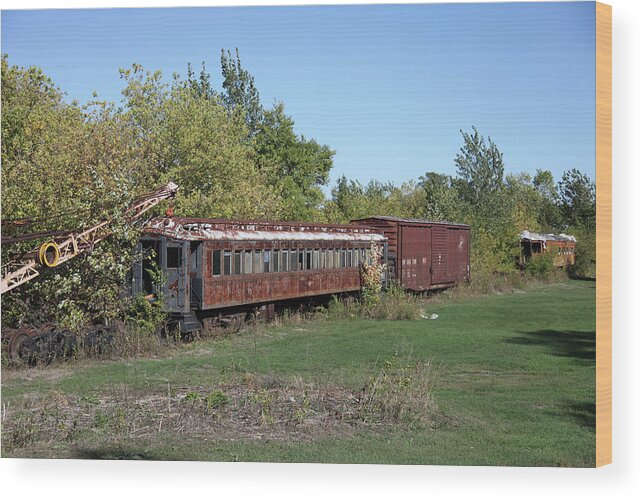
[(192, 229), (536, 236), (410, 220)]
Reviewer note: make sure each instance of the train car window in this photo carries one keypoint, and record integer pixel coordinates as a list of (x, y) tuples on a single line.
[(173, 259), (257, 266), (322, 258), (266, 260), (247, 262), (300, 259), (309, 260), (216, 262), (275, 261), (362, 257), (227, 262), (237, 262), (355, 257), (336, 264), (342, 258), (349, 257), (284, 261), (293, 260), (316, 259)]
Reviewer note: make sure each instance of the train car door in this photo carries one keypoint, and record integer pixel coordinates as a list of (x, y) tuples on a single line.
[(410, 243), (135, 275), (196, 274), (425, 257), (457, 254), (415, 245), (175, 262), (439, 255)]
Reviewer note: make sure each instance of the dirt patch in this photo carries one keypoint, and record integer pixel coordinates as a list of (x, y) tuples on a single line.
[(25, 374)]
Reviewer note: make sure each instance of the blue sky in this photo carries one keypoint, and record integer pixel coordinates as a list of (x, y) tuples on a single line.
[(386, 86)]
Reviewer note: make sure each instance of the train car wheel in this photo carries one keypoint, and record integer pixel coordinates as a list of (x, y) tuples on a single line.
[(237, 321), (17, 339)]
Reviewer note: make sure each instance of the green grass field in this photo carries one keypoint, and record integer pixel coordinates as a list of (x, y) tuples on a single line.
[(513, 384)]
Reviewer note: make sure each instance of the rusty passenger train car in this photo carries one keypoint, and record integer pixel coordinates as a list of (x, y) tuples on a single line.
[(221, 270), (562, 246)]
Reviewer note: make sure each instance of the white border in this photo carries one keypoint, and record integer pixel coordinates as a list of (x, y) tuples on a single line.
[(69, 478)]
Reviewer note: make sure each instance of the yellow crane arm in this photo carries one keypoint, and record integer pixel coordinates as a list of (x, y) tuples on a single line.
[(53, 253)]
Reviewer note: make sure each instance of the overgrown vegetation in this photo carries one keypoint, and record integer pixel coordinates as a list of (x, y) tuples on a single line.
[(540, 265), (242, 405), (392, 304)]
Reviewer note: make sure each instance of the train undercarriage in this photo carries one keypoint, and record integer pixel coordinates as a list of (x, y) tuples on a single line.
[(46, 343)]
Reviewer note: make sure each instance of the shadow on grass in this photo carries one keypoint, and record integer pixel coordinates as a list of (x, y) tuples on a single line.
[(114, 454), (582, 413), (579, 345)]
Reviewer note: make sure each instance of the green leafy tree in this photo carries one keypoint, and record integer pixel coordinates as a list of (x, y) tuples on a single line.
[(192, 140), (577, 199), (294, 166), (441, 197), (480, 166), (239, 91), (549, 215), (66, 166), (351, 200), (298, 167), (201, 85)]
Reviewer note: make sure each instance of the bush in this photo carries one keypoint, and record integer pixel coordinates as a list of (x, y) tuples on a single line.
[(145, 314), (585, 265), (393, 304), (482, 283), (541, 265), (400, 391), (371, 275)]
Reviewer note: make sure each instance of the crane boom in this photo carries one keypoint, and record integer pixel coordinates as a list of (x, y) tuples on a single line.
[(53, 253)]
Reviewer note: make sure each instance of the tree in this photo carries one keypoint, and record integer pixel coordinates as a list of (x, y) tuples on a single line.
[(549, 216), (480, 166), (193, 140), (296, 166), (66, 166), (240, 92), (201, 86), (441, 196), (577, 199), (351, 200)]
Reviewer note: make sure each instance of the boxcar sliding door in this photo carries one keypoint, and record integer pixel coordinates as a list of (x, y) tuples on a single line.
[(439, 273), (415, 261)]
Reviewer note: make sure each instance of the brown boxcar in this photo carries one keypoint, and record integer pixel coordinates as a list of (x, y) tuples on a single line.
[(422, 254), (216, 265)]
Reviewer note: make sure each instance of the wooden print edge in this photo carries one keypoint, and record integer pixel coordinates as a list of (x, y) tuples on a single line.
[(603, 234)]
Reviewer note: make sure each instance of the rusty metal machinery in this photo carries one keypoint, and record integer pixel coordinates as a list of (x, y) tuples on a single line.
[(63, 248), (47, 342)]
